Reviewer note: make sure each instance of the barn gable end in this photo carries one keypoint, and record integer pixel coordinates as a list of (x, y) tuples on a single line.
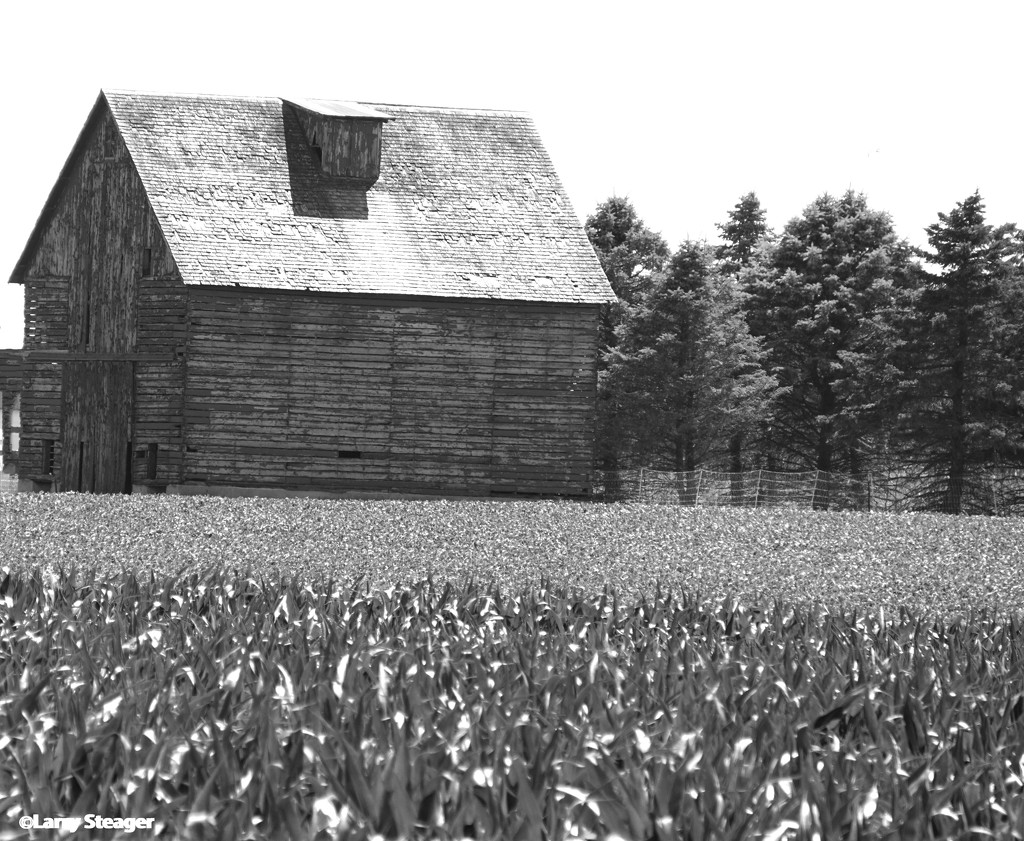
[(102, 344), (308, 296)]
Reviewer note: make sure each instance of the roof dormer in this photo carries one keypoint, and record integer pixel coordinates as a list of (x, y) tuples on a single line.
[(344, 138)]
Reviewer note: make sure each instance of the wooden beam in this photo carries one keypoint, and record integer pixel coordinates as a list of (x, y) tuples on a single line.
[(76, 356)]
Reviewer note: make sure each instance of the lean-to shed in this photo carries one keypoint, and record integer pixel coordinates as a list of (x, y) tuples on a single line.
[(238, 292)]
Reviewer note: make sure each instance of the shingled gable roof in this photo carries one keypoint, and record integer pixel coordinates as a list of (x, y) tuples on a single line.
[(467, 204)]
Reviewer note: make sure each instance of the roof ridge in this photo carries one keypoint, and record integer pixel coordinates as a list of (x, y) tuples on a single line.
[(449, 108), (454, 109), (186, 94)]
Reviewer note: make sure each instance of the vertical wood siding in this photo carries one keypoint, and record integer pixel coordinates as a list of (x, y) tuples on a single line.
[(80, 282), (96, 409), (305, 391), (349, 147), (102, 283)]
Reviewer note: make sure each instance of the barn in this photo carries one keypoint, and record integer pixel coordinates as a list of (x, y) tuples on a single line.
[(266, 295)]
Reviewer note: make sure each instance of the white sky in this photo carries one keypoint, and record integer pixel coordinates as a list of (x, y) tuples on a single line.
[(683, 107)]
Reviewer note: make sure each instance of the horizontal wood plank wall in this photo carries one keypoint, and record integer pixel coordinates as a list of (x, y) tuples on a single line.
[(544, 403), (46, 328), (40, 417), (160, 380), (46, 313), (372, 394)]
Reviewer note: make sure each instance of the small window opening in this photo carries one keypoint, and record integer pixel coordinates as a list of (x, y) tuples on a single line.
[(151, 460), (349, 454), (15, 422), (46, 465), (147, 262)]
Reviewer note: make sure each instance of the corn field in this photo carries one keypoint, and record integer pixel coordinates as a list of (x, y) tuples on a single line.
[(997, 492), (317, 669), (226, 707)]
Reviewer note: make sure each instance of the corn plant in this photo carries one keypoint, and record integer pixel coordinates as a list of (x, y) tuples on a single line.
[(226, 705)]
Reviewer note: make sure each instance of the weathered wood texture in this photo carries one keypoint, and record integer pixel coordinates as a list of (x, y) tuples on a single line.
[(46, 313), (313, 391), (93, 244), (102, 285), (160, 385), (40, 417), (96, 409), (383, 346), (12, 368), (347, 147)]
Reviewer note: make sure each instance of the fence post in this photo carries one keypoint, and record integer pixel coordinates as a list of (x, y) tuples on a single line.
[(816, 496), (640, 491), (757, 489)]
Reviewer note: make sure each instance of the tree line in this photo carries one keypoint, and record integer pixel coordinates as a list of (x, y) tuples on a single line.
[(833, 345)]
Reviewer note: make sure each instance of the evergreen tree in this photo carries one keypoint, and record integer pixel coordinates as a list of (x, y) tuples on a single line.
[(745, 231), (963, 367), (629, 251), (630, 254), (821, 298), (686, 371)]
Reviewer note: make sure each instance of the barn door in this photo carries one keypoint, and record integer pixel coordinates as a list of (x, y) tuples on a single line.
[(96, 402)]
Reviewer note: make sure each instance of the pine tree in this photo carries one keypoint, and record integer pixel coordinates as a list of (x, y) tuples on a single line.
[(746, 231), (821, 297), (630, 254), (629, 251), (964, 363), (686, 371)]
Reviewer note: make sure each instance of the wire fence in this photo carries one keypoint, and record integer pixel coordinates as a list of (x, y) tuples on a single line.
[(997, 492)]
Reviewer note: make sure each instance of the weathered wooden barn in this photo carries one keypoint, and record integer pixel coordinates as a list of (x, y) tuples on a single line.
[(295, 295)]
